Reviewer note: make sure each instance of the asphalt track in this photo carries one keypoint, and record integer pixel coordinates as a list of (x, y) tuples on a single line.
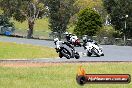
[(112, 52)]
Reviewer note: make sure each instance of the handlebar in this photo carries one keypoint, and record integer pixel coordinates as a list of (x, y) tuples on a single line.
[(68, 44)]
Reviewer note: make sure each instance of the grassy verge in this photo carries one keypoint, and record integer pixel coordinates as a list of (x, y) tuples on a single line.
[(25, 51), (60, 76)]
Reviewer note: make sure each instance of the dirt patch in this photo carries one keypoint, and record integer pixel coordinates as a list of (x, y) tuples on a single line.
[(23, 64)]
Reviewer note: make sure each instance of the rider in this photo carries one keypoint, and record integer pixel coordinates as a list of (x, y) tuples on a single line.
[(59, 43), (68, 36), (86, 39)]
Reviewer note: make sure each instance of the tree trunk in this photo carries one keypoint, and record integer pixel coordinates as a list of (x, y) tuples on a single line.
[(30, 28), (59, 35)]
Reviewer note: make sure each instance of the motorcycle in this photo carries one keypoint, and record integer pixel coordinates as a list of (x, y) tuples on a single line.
[(65, 52), (93, 48), (73, 40)]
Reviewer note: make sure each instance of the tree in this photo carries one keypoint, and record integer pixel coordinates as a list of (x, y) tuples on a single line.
[(97, 5), (6, 27), (1, 11), (22, 10), (5, 21), (60, 11), (118, 9), (89, 22)]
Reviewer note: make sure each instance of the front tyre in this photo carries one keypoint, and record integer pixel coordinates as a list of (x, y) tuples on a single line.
[(65, 53), (60, 55), (102, 54), (96, 52), (89, 54), (77, 56), (79, 45)]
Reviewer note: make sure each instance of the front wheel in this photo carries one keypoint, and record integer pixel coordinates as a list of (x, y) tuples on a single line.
[(96, 52), (89, 54), (65, 53), (77, 56), (102, 54), (79, 45), (60, 55)]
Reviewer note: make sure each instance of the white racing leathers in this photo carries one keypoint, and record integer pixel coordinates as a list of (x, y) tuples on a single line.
[(73, 38), (66, 49), (93, 48), (60, 44)]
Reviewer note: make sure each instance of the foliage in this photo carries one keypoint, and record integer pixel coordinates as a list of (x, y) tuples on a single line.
[(109, 31), (22, 10), (89, 22), (97, 5), (1, 11), (6, 27), (89, 3), (5, 21), (60, 11), (118, 9), (107, 35)]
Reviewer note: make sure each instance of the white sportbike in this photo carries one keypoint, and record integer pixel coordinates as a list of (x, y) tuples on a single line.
[(93, 48)]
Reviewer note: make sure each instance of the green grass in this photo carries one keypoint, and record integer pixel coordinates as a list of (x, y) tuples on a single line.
[(41, 28), (40, 24), (25, 51), (60, 76)]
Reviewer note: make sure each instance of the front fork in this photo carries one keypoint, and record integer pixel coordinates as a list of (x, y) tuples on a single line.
[(72, 53)]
